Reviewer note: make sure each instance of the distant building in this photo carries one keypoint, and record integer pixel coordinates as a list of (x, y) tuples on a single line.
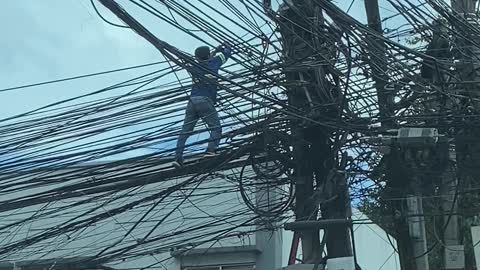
[(245, 248)]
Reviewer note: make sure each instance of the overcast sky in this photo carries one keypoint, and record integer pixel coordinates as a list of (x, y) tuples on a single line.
[(52, 39), (60, 39)]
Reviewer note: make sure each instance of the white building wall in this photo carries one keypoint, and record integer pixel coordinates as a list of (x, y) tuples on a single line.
[(374, 251), (209, 204)]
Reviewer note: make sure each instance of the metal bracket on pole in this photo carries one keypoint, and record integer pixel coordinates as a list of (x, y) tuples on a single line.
[(316, 224), (323, 224)]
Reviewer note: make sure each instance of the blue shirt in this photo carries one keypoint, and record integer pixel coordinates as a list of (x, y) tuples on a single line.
[(205, 84)]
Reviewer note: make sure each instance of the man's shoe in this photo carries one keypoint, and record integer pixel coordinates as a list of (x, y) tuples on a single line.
[(210, 154), (177, 163)]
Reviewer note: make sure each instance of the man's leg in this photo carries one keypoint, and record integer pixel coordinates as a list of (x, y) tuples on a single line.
[(210, 117), (191, 118)]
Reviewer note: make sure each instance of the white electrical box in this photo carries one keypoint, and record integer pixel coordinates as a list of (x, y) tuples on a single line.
[(418, 136), (454, 257), (344, 263)]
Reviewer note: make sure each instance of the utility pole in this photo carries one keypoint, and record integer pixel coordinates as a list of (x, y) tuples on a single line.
[(410, 233), (313, 157), (446, 178), (412, 149), (467, 140), (378, 55), (453, 251), (294, 49), (416, 217)]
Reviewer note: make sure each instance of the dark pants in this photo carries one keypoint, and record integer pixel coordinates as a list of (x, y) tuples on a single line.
[(199, 107)]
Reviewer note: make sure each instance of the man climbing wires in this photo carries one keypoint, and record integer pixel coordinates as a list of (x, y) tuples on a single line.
[(202, 99)]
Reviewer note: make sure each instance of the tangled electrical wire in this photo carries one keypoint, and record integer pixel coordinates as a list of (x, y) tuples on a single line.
[(64, 192)]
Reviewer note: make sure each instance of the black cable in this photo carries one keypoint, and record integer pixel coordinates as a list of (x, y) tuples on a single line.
[(105, 20)]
